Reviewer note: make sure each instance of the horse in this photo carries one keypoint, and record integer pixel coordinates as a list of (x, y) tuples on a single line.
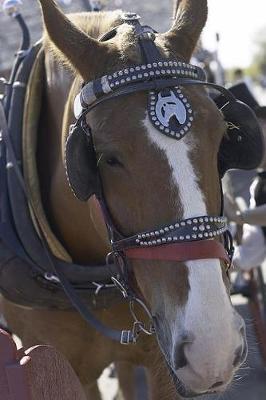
[(149, 180)]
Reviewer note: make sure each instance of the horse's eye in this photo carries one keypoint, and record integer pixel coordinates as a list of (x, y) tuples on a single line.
[(113, 162)]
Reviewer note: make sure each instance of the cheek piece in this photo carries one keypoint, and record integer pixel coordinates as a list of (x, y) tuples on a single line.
[(171, 113)]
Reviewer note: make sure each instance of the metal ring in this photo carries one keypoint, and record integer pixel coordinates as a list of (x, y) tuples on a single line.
[(142, 327)]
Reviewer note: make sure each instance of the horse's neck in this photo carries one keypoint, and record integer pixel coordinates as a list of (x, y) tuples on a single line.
[(71, 220)]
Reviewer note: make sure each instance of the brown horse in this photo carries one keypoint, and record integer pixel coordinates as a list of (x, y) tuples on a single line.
[(149, 180)]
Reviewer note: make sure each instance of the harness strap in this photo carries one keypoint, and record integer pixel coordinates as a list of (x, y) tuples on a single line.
[(207, 249)]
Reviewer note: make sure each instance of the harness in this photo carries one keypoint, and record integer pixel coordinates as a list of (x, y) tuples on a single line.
[(188, 239)]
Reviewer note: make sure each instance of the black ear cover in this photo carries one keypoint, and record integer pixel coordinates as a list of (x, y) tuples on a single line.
[(242, 147), (80, 163)]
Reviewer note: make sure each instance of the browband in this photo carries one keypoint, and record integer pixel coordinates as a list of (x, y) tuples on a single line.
[(157, 75)]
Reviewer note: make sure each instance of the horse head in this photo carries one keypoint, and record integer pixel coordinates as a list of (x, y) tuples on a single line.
[(149, 179)]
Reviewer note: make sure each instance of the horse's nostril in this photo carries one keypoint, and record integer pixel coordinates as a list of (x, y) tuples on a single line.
[(216, 385), (180, 360), (238, 356)]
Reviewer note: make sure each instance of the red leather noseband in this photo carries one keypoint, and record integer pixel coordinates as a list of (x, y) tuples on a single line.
[(205, 249)]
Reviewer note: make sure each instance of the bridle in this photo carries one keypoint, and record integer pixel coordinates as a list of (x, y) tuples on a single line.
[(189, 239)]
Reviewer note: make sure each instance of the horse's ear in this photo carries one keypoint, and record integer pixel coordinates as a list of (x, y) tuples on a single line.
[(81, 51), (190, 17)]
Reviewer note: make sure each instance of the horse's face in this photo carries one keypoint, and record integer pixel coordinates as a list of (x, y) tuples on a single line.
[(150, 180)]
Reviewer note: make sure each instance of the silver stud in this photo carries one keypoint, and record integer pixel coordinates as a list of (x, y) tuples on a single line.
[(159, 241), (126, 71), (143, 67), (143, 236), (134, 77), (165, 63), (208, 227), (195, 228), (157, 233), (111, 85), (149, 65), (169, 239), (161, 231), (157, 72), (131, 69), (139, 236), (183, 223), (195, 220), (187, 237), (157, 123), (189, 222), (146, 74), (154, 64), (176, 225), (181, 238), (138, 68), (137, 240), (206, 234), (152, 234), (211, 219), (167, 130), (154, 242), (120, 73), (115, 75), (194, 236), (160, 64), (142, 243), (154, 119), (171, 227), (123, 81), (140, 76), (110, 77), (166, 229), (200, 220), (152, 73), (163, 240), (202, 228), (200, 235), (175, 238)]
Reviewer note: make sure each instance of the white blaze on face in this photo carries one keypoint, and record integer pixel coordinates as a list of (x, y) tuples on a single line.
[(208, 314)]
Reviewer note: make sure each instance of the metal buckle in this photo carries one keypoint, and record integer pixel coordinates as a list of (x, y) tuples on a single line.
[(147, 330), (130, 16), (51, 278)]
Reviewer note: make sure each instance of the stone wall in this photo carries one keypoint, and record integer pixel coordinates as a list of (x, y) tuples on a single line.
[(154, 12)]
